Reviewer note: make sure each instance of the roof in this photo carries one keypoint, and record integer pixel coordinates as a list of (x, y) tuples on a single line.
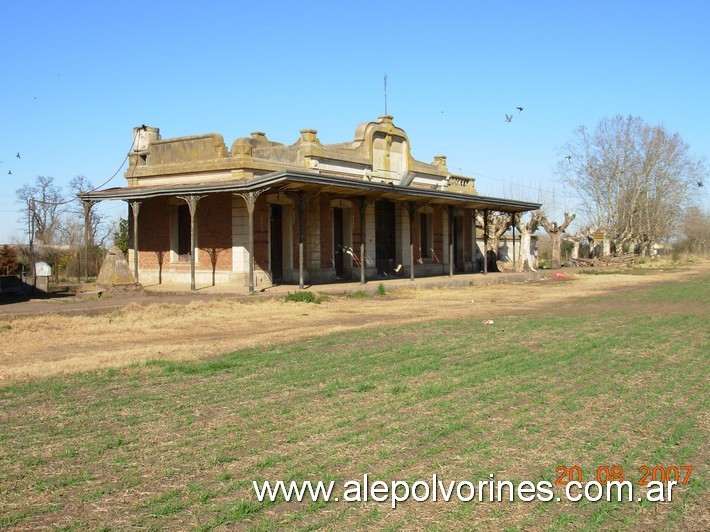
[(292, 180)]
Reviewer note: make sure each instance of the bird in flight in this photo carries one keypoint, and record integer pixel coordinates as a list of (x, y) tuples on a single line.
[(520, 110), (569, 158), (700, 183), (508, 118), (18, 155), (9, 172)]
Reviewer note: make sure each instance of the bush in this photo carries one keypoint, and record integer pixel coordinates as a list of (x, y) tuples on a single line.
[(381, 290), (9, 264), (302, 297)]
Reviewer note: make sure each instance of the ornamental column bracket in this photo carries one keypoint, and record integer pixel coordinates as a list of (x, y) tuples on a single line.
[(192, 201), (250, 199), (301, 199)]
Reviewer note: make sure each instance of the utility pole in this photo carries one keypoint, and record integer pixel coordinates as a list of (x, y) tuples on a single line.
[(31, 213)]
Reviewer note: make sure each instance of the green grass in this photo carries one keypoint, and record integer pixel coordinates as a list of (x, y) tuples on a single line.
[(302, 297), (359, 294), (176, 444)]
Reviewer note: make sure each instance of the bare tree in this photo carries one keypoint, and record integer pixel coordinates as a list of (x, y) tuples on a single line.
[(527, 260), (71, 235), (633, 180), (696, 228), (42, 207), (555, 231), (98, 231)]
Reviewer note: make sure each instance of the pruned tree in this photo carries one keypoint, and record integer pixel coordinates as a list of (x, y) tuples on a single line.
[(498, 224), (527, 229), (634, 180), (555, 231), (575, 241)]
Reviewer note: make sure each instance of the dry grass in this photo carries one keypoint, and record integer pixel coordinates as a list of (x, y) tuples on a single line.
[(55, 344)]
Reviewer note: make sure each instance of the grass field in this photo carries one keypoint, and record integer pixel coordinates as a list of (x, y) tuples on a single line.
[(176, 445)]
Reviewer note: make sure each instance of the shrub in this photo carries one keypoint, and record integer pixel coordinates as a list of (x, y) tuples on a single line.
[(302, 297), (9, 264)]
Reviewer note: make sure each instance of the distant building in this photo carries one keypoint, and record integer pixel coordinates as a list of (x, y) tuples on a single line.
[(305, 212)]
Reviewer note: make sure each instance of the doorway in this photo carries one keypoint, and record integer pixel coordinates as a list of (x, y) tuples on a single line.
[(458, 244), (276, 242), (385, 242), (338, 243)]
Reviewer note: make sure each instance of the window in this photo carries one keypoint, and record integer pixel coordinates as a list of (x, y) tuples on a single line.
[(183, 233)]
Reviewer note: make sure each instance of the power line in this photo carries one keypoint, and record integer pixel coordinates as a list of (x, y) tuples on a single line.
[(521, 185), (94, 189)]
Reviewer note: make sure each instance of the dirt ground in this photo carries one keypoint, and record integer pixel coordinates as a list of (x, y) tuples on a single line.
[(34, 344)]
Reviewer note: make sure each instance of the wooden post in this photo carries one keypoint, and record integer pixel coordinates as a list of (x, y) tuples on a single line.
[(250, 199), (135, 207), (192, 201)]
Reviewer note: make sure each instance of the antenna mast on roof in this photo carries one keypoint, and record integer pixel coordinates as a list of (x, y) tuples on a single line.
[(385, 94)]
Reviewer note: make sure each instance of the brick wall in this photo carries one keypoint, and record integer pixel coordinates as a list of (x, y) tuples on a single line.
[(153, 233), (214, 231), (213, 226)]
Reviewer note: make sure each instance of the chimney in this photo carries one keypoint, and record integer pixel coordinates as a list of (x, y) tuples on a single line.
[(143, 136), (309, 136), (440, 160)]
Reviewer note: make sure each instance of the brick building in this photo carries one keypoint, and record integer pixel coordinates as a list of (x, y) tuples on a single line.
[(263, 212)]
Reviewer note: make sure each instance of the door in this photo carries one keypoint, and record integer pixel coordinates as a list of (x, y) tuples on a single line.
[(338, 243), (458, 244), (276, 243), (385, 245)]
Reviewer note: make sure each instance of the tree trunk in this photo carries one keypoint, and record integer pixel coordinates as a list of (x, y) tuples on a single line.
[(555, 231), (526, 262), (556, 243), (498, 224)]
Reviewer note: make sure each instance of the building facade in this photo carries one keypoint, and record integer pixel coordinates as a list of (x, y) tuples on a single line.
[(262, 212)]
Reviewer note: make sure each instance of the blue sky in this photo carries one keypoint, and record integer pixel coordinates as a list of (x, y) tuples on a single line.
[(76, 77)]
